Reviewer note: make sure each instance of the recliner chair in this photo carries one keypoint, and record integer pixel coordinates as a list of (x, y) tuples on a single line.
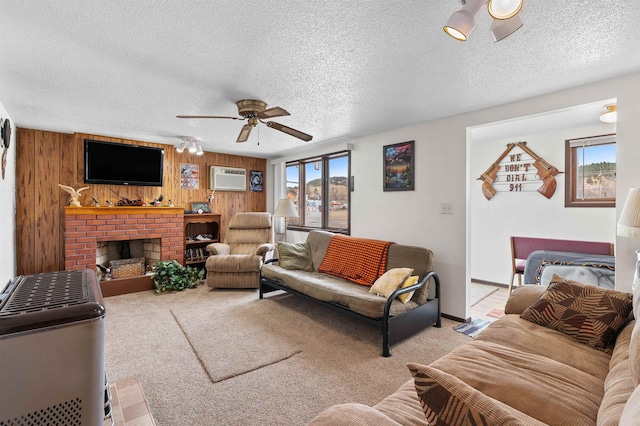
[(236, 262)]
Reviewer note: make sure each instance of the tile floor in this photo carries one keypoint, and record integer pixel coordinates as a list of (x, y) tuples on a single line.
[(129, 405), (495, 300)]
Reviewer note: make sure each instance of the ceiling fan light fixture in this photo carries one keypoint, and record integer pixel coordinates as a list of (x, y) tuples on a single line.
[(244, 133), (610, 115), (503, 28), (504, 9), (180, 148), (192, 147), (254, 112), (199, 150)]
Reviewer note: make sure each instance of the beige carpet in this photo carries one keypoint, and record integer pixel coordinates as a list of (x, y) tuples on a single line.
[(286, 359)]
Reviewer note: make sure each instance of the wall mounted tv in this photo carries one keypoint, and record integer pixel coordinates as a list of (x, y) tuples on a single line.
[(121, 164)]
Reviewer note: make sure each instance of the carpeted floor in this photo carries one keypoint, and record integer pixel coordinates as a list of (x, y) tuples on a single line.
[(225, 357)]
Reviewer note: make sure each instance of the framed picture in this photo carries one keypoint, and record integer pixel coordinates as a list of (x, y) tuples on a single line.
[(189, 176), (399, 166), (201, 207), (255, 181)]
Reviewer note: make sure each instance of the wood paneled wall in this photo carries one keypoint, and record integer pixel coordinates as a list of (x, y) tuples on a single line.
[(45, 159)]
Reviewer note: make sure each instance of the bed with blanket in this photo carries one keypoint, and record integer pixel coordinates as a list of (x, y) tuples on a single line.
[(392, 286), (597, 270)]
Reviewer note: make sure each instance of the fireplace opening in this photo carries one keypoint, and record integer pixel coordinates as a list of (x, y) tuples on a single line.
[(126, 258)]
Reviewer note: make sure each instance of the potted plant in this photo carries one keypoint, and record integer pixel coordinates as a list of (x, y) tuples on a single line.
[(170, 275)]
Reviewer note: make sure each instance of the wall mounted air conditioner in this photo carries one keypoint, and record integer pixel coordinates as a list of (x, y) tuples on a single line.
[(227, 179)]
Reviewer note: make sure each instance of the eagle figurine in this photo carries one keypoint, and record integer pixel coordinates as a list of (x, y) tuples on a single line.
[(74, 194)]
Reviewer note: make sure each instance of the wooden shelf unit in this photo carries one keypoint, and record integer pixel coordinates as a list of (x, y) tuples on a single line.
[(195, 224)]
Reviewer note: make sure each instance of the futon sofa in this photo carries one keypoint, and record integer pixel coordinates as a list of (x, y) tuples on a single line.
[(396, 316), (520, 372)]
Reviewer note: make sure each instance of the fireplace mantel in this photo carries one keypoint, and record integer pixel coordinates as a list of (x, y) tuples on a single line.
[(123, 210)]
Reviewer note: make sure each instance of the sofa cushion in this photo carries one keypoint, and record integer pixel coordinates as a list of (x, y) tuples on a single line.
[(318, 243), (549, 391), (589, 314), (412, 280), (403, 406), (523, 297), (390, 281), (335, 290), (524, 336), (234, 263), (618, 385), (359, 260), (418, 258), (352, 414), (295, 256), (446, 400)]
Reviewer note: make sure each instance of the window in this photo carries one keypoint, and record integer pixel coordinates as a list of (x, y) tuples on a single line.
[(323, 202), (591, 172)]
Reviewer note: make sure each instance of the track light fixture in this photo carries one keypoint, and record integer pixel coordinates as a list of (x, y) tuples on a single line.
[(504, 13), (190, 144), (504, 9)]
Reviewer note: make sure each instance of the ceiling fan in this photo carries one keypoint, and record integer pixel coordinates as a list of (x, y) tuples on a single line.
[(255, 112)]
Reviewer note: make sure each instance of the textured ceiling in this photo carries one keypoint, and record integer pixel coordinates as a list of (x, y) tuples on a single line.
[(343, 69)]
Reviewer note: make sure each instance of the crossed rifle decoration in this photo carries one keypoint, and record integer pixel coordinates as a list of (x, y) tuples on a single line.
[(545, 172)]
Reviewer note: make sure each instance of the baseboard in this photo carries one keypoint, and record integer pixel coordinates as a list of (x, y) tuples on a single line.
[(451, 317), (489, 283)]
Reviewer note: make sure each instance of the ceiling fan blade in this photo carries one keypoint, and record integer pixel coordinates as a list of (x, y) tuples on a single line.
[(244, 133), (288, 130), (273, 112), (209, 116)]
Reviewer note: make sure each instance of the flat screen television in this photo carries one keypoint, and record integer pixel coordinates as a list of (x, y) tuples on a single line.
[(121, 164)]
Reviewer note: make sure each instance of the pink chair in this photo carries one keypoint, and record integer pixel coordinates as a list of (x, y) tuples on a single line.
[(522, 247)]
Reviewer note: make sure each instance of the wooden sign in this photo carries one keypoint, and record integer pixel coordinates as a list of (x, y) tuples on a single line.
[(519, 169)]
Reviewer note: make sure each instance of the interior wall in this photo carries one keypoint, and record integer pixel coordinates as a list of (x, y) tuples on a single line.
[(8, 209), (443, 175), (528, 213), (47, 158)]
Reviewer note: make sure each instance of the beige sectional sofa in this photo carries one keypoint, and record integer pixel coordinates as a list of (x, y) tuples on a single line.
[(397, 320), (516, 372)]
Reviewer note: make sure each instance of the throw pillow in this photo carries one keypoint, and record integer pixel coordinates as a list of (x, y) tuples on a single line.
[(412, 280), (448, 401), (589, 314), (390, 281), (295, 256)]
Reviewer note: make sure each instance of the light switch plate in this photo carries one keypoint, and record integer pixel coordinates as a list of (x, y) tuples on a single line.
[(446, 208)]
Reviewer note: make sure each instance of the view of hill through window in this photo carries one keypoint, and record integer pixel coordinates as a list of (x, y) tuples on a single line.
[(310, 204)]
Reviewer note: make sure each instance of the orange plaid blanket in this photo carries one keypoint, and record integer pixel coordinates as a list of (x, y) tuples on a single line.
[(358, 260)]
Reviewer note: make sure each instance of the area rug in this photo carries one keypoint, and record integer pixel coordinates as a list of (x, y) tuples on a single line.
[(254, 344), (472, 328), (479, 292)]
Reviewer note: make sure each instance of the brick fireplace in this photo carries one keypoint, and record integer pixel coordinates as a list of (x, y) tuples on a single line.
[(86, 228)]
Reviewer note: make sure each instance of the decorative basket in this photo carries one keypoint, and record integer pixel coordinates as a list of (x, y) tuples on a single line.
[(126, 268)]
